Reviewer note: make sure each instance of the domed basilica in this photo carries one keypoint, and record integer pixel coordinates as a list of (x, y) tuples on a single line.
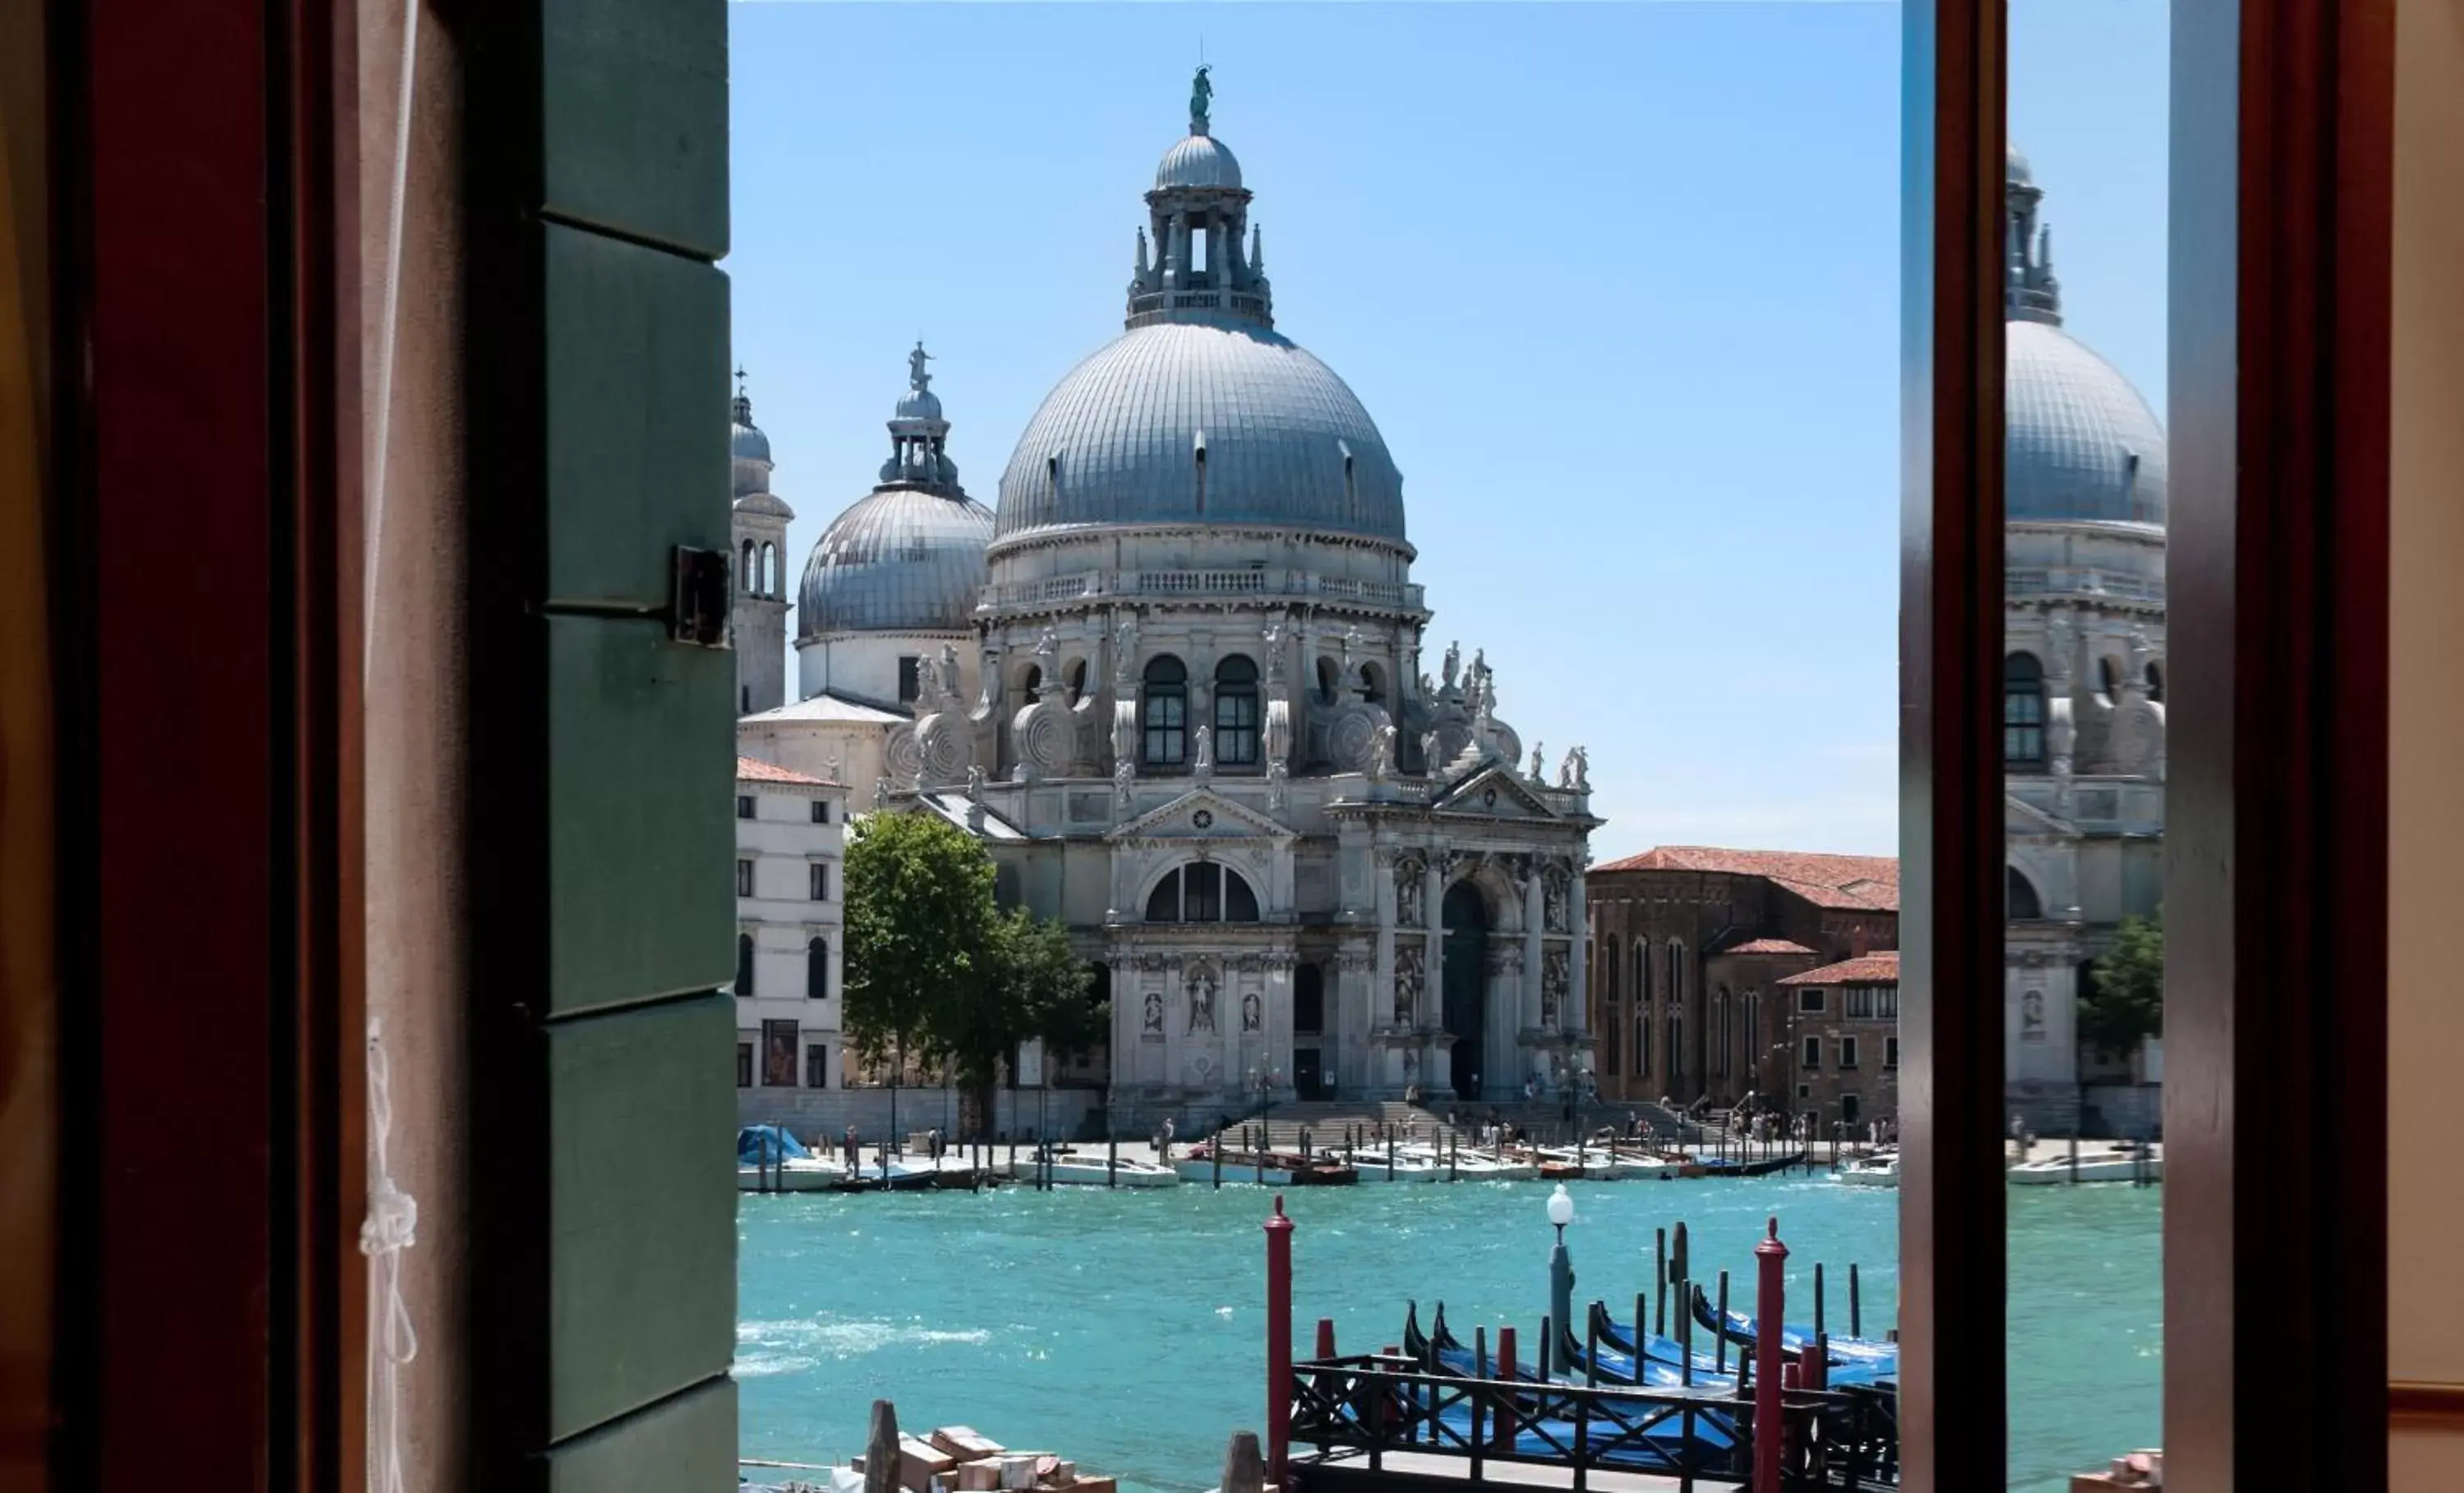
[(2083, 686), (1176, 681)]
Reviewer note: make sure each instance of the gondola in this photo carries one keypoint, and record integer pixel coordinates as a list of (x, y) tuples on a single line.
[(1440, 1353), (1870, 1359), (1662, 1359)]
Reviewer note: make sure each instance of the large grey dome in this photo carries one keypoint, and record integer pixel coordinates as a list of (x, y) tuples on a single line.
[(2080, 443), (1285, 442), (904, 559)]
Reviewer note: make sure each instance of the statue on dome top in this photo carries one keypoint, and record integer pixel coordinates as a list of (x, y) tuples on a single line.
[(1201, 93), (916, 377)]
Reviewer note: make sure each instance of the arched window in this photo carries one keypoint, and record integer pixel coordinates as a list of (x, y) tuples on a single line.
[(1202, 892), (1165, 703), (1721, 1033), (1754, 1037), (2023, 711), (2155, 680), (1077, 672), (1676, 975), (1308, 1000), (1329, 681), (816, 969), (748, 580), (1642, 1042), (1676, 1042), (769, 570), (2020, 896), (744, 964), (1031, 680), (2108, 680), (1641, 971), (1372, 683), (1609, 973), (1236, 712)]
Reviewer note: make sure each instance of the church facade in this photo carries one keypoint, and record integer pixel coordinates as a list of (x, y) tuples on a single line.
[(1179, 683), (2083, 689)]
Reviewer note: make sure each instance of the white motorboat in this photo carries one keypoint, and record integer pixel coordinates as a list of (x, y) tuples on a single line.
[(794, 1175), (1069, 1169), (1469, 1165), (1880, 1170), (2101, 1166), (1409, 1166)]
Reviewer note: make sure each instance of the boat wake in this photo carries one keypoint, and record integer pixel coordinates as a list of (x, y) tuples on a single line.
[(796, 1345)]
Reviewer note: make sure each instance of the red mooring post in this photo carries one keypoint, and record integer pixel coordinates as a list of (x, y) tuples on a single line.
[(1770, 1257), (1278, 1342), (1325, 1338)]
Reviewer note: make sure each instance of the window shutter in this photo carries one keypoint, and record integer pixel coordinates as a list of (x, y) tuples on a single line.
[(598, 447)]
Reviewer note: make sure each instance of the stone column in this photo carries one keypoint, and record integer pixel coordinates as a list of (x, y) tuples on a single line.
[(1575, 1019), (1533, 922)]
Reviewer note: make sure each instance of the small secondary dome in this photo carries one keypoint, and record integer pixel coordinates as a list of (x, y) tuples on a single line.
[(910, 556)]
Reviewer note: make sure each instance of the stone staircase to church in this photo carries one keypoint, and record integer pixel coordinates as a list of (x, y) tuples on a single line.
[(1329, 1122)]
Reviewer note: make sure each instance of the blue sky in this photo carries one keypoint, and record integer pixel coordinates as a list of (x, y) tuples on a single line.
[(1619, 284)]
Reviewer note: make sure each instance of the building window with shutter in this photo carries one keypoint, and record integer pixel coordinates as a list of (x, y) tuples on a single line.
[(1813, 1052), (745, 878), (744, 964), (1847, 1052), (821, 811), (817, 1067), (744, 805), (820, 872)]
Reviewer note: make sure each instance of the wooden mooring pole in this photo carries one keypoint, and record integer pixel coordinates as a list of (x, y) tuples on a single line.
[(1770, 1302), (1279, 1341)]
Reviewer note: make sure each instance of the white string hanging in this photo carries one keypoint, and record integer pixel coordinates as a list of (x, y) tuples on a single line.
[(392, 1223), (391, 1226)]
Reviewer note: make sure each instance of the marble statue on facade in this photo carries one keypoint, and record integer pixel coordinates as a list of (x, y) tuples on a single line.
[(1408, 978), (1154, 1014), (1124, 650), (2031, 1017), (1552, 892), (1553, 986), (975, 785), (1249, 1012), (1575, 771), (1453, 666), (1125, 775), (1382, 755), (1429, 762), (881, 791), (1539, 762), (1201, 1002), (1408, 872), (1201, 758), (1278, 782)]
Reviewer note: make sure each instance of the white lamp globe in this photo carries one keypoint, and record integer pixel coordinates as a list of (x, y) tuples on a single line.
[(1561, 1207)]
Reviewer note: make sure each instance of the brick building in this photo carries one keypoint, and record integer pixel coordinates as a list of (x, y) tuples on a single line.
[(1688, 947), (1843, 1039)]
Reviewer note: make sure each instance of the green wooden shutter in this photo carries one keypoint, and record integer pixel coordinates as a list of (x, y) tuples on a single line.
[(604, 1312)]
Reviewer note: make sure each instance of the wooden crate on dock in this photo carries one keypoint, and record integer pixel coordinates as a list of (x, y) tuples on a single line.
[(966, 1443), (920, 1462)]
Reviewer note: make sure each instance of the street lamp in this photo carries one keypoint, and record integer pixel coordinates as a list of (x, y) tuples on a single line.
[(1561, 1284), (1264, 1081)]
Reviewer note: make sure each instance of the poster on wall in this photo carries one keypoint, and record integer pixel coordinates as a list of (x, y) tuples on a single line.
[(778, 1054)]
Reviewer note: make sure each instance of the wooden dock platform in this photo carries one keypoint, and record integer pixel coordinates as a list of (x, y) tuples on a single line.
[(1419, 1471)]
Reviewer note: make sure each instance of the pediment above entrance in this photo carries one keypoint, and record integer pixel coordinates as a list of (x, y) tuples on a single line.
[(1201, 814), (1496, 793)]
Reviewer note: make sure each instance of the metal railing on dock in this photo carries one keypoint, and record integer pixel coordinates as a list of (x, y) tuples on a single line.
[(1372, 1405)]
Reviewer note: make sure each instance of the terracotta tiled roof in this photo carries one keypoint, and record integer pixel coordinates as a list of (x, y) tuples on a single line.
[(1874, 968), (1852, 883), (1769, 946), (747, 770)]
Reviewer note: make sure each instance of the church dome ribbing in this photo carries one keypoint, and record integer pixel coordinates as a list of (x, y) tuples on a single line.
[(2080, 443), (910, 556), (1201, 412)]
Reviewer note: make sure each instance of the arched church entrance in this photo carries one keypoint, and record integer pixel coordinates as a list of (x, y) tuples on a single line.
[(1464, 982)]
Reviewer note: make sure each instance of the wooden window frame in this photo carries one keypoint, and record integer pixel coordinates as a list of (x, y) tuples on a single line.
[(2281, 144)]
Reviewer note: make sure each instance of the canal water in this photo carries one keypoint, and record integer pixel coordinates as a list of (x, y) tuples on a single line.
[(1125, 1330)]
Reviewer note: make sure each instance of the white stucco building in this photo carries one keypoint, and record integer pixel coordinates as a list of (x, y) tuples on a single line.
[(790, 839), (2083, 684), (1177, 682)]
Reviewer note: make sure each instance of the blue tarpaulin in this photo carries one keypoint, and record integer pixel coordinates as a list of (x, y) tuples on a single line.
[(758, 1143)]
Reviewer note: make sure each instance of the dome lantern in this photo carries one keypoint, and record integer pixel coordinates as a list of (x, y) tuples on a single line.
[(910, 556), (1197, 214), (2030, 292)]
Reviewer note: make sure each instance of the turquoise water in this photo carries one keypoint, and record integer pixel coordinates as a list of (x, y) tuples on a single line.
[(1125, 1330)]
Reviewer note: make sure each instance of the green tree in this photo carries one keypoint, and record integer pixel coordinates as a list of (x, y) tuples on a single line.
[(919, 916), (2126, 1000), (937, 973)]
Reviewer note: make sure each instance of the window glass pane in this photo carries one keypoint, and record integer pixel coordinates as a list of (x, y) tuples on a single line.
[(1203, 891), (1240, 902), (1163, 904), (2084, 622)]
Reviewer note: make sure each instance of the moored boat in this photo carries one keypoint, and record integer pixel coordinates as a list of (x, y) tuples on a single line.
[(2116, 1165), (1271, 1168), (1069, 1169)]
